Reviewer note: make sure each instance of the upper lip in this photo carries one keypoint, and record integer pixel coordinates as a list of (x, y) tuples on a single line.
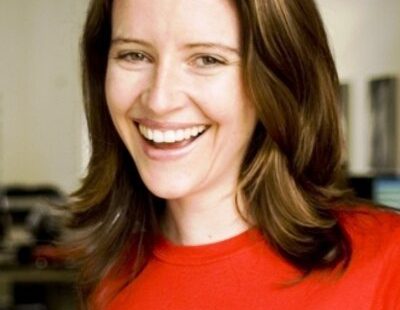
[(166, 125)]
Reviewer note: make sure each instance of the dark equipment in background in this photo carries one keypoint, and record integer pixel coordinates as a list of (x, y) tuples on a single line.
[(30, 227), (382, 189)]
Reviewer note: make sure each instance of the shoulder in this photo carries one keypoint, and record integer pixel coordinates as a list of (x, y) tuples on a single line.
[(370, 223), (371, 229), (374, 235)]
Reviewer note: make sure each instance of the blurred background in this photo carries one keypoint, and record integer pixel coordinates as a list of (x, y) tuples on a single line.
[(43, 141)]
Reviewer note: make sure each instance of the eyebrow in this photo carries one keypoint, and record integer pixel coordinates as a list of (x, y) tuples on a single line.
[(220, 46), (121, 40), (213, 45)]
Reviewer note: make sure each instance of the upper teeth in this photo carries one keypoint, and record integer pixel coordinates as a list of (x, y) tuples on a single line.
[(170, 136)]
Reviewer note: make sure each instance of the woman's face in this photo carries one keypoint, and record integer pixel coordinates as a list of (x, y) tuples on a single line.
[(175, 93)]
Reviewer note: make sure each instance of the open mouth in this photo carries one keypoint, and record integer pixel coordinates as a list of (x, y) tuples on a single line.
[(168, 139)]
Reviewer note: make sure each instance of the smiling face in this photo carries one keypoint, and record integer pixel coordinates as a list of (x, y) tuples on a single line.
[(175, 93)]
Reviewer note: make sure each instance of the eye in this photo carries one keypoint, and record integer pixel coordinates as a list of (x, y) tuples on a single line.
[(134, 57), (204, 61)]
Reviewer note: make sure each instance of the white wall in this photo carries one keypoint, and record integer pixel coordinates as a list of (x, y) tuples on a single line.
[(39, 92), (365, 36)]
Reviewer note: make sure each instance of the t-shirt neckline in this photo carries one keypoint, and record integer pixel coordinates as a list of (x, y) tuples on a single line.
[(168, 252)]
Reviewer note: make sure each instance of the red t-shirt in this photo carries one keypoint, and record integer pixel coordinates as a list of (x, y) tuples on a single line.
[(243, 272)]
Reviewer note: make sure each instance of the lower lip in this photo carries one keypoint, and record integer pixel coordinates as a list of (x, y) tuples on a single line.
[(172, 152)]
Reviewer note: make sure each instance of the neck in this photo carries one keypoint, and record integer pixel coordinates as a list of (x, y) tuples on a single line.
[(195, 221)]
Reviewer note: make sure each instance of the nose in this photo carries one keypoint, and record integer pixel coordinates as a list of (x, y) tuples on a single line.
[(164, 93)]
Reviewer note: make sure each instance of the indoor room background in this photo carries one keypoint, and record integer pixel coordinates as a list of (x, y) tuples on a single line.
[(43, 140)]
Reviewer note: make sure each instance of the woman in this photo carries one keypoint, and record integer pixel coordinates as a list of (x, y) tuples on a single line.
[(214, 180)]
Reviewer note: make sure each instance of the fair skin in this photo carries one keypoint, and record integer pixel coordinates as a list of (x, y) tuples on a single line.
[(175, 94)]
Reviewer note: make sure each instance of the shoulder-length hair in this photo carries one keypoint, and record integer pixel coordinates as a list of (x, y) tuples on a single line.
[(290, 173)]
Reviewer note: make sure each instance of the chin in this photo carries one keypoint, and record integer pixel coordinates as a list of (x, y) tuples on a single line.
[(168, 190), (167, 194)]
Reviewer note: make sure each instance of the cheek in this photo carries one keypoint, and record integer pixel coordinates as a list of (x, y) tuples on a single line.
[(119, 98), (226, 104), (215, 95), (121, 90)]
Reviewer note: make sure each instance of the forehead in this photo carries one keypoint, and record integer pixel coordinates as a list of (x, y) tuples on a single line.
[(189, 20)]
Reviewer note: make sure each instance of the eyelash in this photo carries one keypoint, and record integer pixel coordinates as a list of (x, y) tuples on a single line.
[(212, 61), (139, 57), (207, 61)]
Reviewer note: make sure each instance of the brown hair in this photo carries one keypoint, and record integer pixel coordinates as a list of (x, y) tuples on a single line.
[(291, 169)]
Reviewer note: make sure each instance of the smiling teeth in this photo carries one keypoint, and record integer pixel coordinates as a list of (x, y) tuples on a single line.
[(171, 136)]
